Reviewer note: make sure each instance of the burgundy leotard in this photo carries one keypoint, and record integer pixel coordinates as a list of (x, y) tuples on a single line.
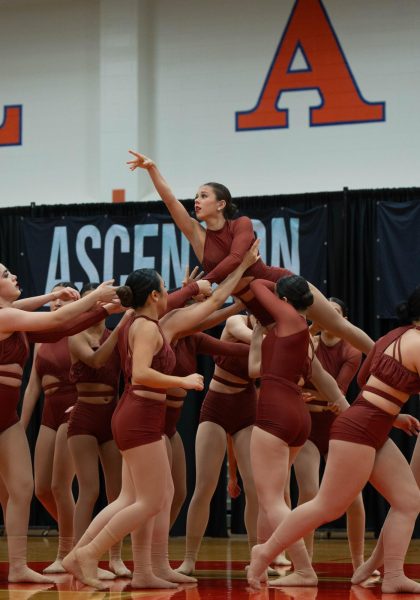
[(232, 411), (364, 422), (186, 350), (284, 360), (342, 362), (90, 418), (108, 374), (139, 420), (225, 248), (54, 359), (13, 350)]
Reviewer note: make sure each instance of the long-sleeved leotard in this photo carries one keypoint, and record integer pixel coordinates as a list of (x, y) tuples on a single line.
[(342, 362), (284, 360), (224, 250)]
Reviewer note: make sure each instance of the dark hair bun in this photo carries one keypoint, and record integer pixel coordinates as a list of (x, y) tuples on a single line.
[(125, 294), (297, 291), (307, 299)]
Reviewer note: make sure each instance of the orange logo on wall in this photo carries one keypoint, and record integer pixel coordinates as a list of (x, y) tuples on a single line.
[(309, 36), (11, 128)]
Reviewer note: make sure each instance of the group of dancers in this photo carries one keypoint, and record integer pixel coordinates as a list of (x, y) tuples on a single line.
[(298, 414)]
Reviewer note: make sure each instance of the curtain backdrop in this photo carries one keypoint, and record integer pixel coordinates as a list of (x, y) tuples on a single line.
[(356, 271)]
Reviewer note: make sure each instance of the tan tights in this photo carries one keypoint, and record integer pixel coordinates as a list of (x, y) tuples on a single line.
[(16, 474), (210, 449), (306, 468), (376, 559), (389, 472), (271, 459)]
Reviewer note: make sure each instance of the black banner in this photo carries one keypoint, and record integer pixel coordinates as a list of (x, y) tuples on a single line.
[(398, 254), (98, 248)]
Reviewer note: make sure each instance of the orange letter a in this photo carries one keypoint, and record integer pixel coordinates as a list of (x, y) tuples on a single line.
[(310, 31), (11, 128)]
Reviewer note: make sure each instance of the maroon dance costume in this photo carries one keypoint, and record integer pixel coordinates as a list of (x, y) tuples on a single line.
[(284, 360), (15, 350), (94, 419), (54, 360), (224, 250), (364, 422), (342, 362), (186, 350), (138, 420)]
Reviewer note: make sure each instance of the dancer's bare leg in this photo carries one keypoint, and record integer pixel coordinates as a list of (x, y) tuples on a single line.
[(179, 476), (111, 461), (210, 449), (376, 559), (242, 445), (322, 311), (16, 472), (61, 486), (271, 458), (43, 468), (306, 468), (145, 465), (336, 493)]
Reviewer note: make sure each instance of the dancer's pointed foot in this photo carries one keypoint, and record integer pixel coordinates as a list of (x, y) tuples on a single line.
[(400, 585), (281, 560), (150, 581), (363, 572), (117, 566), (71, 565), (55, 567), (88, 567), (105, 574), (186, 567), (173, 575), (258, 567), (296, 579), (24, 574)]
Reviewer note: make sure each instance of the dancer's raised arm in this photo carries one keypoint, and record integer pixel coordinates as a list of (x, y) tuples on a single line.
[(13, 319), (189, 226), (175, 322)]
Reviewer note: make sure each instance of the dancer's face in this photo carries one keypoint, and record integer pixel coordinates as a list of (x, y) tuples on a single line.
[(9, 287), (162, 299), (206, 204), (58, 302)]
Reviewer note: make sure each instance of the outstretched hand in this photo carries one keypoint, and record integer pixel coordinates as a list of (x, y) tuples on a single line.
[(192, 277), (67, 293), (140, 161)]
